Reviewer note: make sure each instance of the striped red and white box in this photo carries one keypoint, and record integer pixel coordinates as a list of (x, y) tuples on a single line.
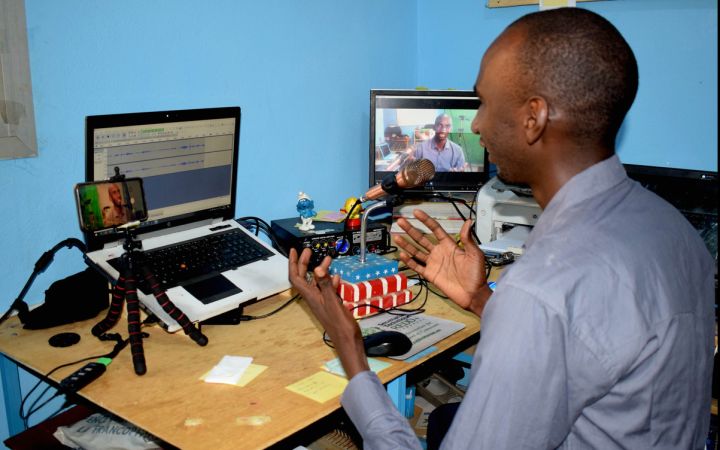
[(354, 292), (370, 306)]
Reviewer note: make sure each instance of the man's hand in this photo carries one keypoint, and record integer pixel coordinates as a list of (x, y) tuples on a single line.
[(458, 272), (320, 292)]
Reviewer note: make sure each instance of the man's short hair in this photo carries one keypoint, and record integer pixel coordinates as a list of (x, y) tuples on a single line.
[(579, 61)]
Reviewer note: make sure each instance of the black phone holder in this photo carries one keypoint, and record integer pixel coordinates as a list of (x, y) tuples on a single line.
[(132, 268)]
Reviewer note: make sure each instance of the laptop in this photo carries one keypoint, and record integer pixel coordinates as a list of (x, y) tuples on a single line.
[(188, 161)]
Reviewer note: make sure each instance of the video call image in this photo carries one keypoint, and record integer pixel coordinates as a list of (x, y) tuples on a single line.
[(109, 204), (443, 136)]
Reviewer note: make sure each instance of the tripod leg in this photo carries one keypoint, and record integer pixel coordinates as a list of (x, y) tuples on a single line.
[(116, 304), (136, 345), (172, 310)]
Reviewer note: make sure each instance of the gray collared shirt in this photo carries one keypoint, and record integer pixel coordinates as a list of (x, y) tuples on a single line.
[(446, 159), (599, 336)]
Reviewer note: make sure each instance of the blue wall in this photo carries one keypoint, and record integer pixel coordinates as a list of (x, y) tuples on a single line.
[(302, 71), (673, 122)]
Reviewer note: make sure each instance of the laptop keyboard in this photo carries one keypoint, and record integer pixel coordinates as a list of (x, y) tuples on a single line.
[(181, 263)]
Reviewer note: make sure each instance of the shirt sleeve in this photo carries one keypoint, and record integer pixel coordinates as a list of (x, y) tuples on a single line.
[(375, 416)]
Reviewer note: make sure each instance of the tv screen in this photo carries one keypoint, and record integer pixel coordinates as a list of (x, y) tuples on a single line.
[(406, 125)]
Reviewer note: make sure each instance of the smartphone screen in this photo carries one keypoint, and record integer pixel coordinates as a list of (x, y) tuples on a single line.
[(107, 204)]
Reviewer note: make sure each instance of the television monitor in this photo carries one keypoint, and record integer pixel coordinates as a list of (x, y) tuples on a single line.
[(406, 125), (186, 159)]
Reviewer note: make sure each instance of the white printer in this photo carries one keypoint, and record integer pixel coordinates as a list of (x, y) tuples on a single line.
[(505, 216)]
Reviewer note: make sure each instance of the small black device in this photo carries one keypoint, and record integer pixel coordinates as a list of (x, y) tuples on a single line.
[(104, 205), (386, 343), (64, 339), (329, 239), (83, 376)]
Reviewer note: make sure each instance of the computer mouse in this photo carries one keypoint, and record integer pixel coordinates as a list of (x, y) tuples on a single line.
[(386, 343)]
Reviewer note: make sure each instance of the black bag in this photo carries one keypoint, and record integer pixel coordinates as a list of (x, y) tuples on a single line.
[(75, 298)]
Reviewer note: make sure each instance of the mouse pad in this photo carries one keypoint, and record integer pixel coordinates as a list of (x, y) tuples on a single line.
[(422, 329)]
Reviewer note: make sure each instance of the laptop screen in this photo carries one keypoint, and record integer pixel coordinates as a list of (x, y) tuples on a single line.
[(187, 160)]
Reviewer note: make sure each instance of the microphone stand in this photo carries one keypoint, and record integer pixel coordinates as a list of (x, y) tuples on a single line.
[(390, 201)]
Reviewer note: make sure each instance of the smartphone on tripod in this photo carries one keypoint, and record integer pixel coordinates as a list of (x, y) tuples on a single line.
[(103, 205)]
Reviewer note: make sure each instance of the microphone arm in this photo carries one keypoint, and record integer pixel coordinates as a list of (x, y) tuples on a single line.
[(393, 200)]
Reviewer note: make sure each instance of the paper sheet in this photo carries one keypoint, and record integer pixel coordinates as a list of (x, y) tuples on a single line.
[(549, 4), (228, 370), (335, 366)]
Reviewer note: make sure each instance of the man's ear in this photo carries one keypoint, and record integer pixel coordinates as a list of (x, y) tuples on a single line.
[(536, 119)]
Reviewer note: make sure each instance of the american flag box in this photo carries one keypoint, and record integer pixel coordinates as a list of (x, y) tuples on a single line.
[(351, 269), (361, 290), (370, 306)]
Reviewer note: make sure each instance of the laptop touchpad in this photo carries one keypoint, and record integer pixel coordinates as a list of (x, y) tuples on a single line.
[(211, 289)]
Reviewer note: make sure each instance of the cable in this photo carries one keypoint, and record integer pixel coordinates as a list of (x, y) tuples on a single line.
[(349, 213), (34, 407), (261, 225), (42, 263), (263, 316)]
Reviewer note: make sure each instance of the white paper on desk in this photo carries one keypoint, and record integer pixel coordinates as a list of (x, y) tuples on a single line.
[(422, 329), (228, 370)]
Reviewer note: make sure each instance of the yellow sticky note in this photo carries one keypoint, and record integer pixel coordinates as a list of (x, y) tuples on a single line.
[(320, 387), (250, 373)]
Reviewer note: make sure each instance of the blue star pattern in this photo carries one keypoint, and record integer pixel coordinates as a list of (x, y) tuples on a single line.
[(351, 269)]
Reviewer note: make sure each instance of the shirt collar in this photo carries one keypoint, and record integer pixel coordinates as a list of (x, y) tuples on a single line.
[(436, 147), (584, 185)]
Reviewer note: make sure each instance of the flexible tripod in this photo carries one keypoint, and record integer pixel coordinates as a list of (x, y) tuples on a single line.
[(131, 268)]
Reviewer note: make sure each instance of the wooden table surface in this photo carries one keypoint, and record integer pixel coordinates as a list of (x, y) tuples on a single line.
[(171, 402)]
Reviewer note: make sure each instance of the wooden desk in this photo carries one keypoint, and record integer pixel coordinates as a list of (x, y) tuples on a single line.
[(173, 404)]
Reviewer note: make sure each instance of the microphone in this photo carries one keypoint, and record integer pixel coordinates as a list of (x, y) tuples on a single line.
[(412, 175)]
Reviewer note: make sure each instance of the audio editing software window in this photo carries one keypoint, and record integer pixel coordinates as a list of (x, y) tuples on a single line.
[(170, 158)]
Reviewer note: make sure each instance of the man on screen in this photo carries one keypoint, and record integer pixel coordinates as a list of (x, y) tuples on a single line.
[(117, 213), (446, 155)]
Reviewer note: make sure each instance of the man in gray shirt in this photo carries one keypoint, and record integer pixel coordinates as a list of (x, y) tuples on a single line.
[(445, 155), (601, 335)]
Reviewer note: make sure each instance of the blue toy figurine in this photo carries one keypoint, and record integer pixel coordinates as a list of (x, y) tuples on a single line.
[(305, 207)]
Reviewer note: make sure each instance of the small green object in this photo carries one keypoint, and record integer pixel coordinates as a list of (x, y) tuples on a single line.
[(105, 361)]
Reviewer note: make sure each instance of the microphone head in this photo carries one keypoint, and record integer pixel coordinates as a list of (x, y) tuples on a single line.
[(416, 173), (412, 175)]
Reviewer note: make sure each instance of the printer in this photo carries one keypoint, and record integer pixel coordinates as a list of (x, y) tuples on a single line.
[(505, 215)]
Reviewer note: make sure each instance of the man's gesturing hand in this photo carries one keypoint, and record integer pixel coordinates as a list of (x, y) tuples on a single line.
[(458, 272), (319, 290)]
